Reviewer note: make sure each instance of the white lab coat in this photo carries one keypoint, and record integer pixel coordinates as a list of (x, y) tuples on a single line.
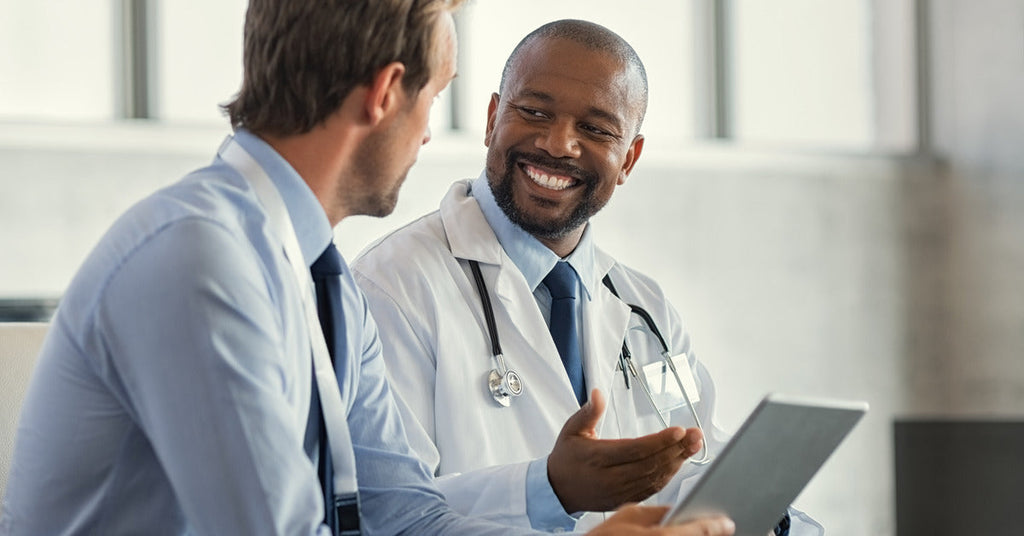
[(436, 346)]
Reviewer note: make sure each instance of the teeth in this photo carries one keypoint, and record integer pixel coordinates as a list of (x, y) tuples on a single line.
[(547, 181)]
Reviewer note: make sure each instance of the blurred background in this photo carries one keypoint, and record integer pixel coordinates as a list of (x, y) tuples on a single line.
[(831, 192)]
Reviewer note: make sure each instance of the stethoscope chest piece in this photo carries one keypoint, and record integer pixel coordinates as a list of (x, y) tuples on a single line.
[(504, 386)]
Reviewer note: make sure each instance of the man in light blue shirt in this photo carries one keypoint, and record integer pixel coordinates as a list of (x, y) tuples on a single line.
[(173, 392)]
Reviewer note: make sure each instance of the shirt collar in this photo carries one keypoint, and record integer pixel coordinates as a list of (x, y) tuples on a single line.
[(533, 258), (312, 227)]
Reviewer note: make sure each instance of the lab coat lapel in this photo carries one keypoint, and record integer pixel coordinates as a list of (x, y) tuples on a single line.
[(605, 319), (516, 297), (469, 235), (524, 334)]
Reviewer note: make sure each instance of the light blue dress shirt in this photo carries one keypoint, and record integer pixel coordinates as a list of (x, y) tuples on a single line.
[(535, 260), (172, 393)]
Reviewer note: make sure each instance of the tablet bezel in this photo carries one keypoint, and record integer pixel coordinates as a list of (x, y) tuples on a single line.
[(769, 461)]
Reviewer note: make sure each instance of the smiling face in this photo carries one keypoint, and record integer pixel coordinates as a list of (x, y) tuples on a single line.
[(561, 137)]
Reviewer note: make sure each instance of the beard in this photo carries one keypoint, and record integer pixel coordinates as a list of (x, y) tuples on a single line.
[(502, 184)]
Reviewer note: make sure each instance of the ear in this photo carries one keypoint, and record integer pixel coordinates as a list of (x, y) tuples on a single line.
[(632, 155), (385, 93), (492, 112)]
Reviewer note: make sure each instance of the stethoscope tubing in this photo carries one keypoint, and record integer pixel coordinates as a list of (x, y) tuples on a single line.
[(626, 362)]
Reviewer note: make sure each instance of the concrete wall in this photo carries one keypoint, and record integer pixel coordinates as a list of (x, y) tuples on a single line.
[(977, 363)]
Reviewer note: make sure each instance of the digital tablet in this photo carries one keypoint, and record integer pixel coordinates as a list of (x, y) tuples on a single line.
[(769, 461)]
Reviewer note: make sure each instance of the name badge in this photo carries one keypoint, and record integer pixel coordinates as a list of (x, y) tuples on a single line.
[(664, 385)]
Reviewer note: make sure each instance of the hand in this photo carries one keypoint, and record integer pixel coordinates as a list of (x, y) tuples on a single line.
[(635, 520), (597, 475)]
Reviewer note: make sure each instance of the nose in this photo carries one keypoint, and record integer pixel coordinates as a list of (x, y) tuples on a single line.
[(426, 135), (560, 140)]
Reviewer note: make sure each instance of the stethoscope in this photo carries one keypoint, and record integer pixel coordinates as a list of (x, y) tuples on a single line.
[(505, 383)]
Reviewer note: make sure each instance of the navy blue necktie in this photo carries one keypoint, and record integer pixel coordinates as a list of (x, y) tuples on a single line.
[(341, 513), (562, 283)]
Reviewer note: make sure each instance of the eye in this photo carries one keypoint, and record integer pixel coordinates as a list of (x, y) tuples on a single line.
[(530, 113), (595, 130), (598, 132)]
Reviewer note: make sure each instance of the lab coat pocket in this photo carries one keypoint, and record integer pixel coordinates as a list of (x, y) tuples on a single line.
[(665, 385)]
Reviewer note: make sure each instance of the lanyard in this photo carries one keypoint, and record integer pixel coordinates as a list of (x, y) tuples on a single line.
[(326, 381)]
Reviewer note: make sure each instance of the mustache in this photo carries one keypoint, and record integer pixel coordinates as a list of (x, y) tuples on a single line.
[(560, 166)]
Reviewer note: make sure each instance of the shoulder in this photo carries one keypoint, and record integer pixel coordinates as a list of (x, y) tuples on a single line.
[(632, 284), (410, 251), (200, 229)]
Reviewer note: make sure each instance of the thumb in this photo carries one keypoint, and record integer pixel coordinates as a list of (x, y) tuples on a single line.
[(584, 421)]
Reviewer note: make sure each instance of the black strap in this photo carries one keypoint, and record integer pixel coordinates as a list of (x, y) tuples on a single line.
[(347, 508), (782, 529)]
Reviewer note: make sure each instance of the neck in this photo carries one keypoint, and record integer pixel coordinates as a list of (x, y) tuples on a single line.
[(320, 157), (563, 246)]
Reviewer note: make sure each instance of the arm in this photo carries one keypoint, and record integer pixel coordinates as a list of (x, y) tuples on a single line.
[(197, 349)]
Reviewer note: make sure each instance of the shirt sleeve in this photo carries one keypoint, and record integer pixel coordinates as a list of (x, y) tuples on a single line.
[(193, 338), (542, 505)]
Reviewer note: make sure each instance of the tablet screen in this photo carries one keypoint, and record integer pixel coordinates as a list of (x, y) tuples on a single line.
[(769, 461)]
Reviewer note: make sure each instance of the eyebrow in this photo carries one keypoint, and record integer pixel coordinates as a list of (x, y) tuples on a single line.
[(591, 111)]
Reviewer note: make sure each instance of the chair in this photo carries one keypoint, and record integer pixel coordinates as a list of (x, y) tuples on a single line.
[(19, 346)]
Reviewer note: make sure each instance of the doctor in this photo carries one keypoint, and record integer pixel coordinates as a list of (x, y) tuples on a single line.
[(452, 287)]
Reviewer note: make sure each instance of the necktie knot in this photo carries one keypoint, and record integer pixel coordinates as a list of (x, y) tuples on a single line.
[(329, 262), (561, 281)]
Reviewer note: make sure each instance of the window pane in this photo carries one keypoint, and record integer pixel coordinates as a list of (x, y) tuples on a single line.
[(58, 60), (198, 58), (664, 43), (801, 72)]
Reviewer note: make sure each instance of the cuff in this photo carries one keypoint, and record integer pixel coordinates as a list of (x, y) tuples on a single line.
[(543, 508)]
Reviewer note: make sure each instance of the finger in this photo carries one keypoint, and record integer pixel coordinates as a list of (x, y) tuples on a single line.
[(638, 481), (709, 526), (609, 452), (693, 442), (584, 421), (644, 516)]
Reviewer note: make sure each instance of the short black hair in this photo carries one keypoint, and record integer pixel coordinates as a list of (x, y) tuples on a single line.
[(592, 36)]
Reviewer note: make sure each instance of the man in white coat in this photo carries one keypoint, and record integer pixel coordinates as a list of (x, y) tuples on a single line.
[(562, 133)]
